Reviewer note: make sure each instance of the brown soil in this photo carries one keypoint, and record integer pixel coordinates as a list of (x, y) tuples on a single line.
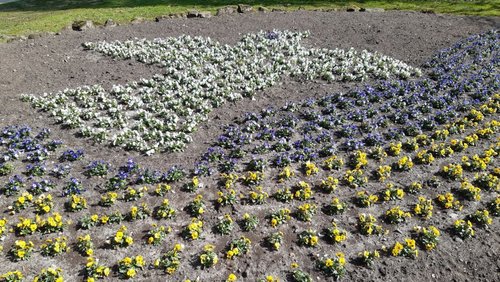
[(53, 63)]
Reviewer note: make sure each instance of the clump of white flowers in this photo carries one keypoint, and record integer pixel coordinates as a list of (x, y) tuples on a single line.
[(158, 114)]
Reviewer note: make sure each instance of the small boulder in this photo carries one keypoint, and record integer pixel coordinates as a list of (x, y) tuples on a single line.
[(34, 35), (242, 8), (161, 18), (372, 10), (205, 15), (16, 38), (177, 15), (353, 8), (193, 14), (263, 9), (138, 20), (226, 10), (82, 25), (109, 23)]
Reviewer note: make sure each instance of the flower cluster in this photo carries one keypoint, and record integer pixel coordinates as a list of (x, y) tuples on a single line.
[(225, 225), (396, 215), (463, 229), (368, 258), (208, 257), (306, 211), (193, 230), (21, 250), (334, 234), (367, 224), (12, 276), (238, 247), (121, 239), (85, 246), (423, 208), (332, 266), (49, 274), (427, 237), (157, 234), (76, 203), (171, 260), (308, 238), (93, 270), (53, 247), (279, 217), (129, 266), (249, 222), (406, 249)]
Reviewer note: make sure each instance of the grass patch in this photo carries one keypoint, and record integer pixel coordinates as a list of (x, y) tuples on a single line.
[(32, 16)]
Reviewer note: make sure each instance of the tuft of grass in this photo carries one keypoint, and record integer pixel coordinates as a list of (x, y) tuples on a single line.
[(34, 16)]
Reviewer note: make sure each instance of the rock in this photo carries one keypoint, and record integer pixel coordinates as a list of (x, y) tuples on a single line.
[(6, 38), (428, 11), (226, 10), (353, 8), (242, 8), (205, 15), (193, 14), (263, 9), (109, 23), (138, 20), (372, 10), (82, 25), (16, 38), (278, 10), (177, 15), (162, 18), (34, 35)]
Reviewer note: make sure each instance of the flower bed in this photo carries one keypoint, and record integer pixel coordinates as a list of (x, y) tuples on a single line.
[(158, 114), (278, 182)]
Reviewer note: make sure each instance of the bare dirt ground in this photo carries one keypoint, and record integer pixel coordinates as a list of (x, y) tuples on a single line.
[(56, 62)]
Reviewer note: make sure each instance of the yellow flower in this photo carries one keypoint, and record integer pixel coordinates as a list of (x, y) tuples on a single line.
[(232, 278), (329, 262), (342, 260), (410, 243), (139, 260), (398, 247), (314, 240), (131, 272), (129, 240), (194, 235), (178, 247), (274, 222)]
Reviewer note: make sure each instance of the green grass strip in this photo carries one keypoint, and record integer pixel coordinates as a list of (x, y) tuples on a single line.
[(33, 16)]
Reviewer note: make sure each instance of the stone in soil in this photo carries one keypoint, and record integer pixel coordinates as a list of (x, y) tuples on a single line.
[(226, 10), (242, 8), (82, 25)]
